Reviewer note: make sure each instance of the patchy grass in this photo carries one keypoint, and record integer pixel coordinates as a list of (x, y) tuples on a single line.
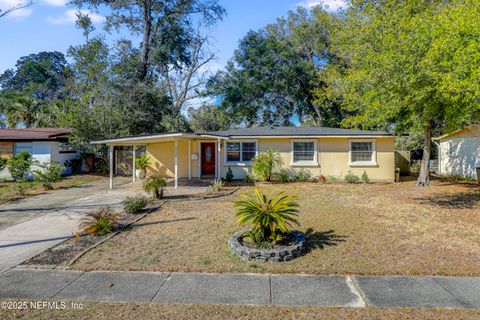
[(359, 229), (9, 192), (136, 311)]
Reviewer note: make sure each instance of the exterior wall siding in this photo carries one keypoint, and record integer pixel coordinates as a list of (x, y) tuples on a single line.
[(332, 158), (460, 156)]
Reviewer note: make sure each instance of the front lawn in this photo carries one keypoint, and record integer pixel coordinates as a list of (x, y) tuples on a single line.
[(10, 190), (359, 229)]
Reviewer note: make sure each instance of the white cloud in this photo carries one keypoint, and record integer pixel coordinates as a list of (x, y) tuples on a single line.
[(70, 16), (55, 3), (20, 13), (331, 5)]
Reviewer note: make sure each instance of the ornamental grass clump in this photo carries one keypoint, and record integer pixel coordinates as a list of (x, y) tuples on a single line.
[(271, 219), (216, 186), (99, 222)]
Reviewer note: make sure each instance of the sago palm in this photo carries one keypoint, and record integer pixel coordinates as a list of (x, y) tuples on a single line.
[(270, 218)]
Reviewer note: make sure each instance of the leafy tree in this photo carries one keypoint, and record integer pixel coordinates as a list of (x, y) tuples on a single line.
[(48, 174), (208, 118), (413, 66)]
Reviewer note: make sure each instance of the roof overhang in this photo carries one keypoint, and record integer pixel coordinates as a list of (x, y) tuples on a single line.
[(311, 137), (166, 137)]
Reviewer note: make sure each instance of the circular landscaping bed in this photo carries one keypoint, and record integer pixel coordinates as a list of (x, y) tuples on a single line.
[(293, 249)]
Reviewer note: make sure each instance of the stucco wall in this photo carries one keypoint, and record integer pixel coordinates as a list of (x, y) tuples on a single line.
[(332, 155)]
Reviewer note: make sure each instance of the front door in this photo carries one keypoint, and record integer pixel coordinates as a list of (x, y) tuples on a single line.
[(208, 158)]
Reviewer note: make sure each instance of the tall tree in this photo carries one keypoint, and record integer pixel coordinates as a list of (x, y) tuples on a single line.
[(413, 66), (209, 118)]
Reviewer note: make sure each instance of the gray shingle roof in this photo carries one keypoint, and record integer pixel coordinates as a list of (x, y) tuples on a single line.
[(296, 131)]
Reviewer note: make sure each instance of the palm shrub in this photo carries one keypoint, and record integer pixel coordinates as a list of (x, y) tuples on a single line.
[(48, 174), (155, 184), (142, 162), (265, 163), (250, 178), (19, 166), (99, 222), (134, 204), (270, 218), (303, 175)]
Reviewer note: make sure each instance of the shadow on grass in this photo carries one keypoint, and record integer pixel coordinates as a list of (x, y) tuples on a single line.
[(160, 222), (320, 240), (460, 200)]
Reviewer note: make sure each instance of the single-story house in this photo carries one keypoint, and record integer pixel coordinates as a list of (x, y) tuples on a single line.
[(459, 152), (323, 151), (45, 145)]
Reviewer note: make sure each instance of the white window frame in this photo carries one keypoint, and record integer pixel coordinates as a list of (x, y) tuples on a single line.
[(371, 163), (240, 163), (304, 163)]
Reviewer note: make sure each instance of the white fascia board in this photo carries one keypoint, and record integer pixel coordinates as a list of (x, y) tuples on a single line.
[(141, 138)]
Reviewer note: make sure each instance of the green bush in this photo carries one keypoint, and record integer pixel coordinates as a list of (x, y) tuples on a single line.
[(303, 175), (155, 185), (365, 177), (48, 174), (134, 204), (99, 222), (282, 176), (216, 186), (332, 179), (250, 178), (265, 163), (19, 166), (229, 175), (270, 218), (350, 177), (21, 188), (142, 162), (3, 163)]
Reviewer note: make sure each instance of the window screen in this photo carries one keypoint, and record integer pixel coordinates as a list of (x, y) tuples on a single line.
[(233, 151), (362, 151), (248, 150), (303, 151)]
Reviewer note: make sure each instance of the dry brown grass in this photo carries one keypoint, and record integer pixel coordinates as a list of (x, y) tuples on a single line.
[(161, 311), (359, 229)]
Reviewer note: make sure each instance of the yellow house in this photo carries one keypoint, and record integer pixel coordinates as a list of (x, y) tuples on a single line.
[(323, 151)]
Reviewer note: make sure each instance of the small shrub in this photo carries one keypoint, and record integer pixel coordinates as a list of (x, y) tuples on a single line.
[(250, 178), (332, 179), (265, 163), (216, 186), (270, 218), (75, 165), (48, 174), (322, 178), (365, 177), (101, 166), (21, 188), (350, 177), (155, 185), (229, 175), (303, 175), (282, 176), (134, 204), (99, 222), (3, 163), (19, 166)]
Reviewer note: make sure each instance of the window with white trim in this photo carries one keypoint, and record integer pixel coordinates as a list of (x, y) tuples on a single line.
[(240, 151), (362, 152), (304, 151)]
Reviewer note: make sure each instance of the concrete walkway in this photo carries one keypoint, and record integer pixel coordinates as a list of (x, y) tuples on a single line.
[(38, 223), (245, 289)]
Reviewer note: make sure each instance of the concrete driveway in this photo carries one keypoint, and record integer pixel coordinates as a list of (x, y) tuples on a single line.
[(31, 225)]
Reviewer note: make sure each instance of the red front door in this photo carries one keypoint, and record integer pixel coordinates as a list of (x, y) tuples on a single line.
[(208, 158)]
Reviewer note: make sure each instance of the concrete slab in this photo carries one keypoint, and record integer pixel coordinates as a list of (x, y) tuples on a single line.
[(324, 291), (401, 291), (215, 289), (114, 286), (35, 284), (466, 290)]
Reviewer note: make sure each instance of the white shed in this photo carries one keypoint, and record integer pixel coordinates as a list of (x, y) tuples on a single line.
[(459, 152)]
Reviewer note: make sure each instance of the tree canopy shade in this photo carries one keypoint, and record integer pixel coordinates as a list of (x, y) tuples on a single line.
[(413, 66), (275, 71)]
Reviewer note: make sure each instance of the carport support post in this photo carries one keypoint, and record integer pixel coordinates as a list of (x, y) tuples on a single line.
[(189, 160), (134, 160), (110, 155), (176, 164), (218, 158)]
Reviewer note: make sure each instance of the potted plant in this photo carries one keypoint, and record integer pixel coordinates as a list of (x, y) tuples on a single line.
[(141, 164)]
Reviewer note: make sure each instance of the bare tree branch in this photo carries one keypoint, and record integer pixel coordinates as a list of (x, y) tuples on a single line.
[(19, 6)]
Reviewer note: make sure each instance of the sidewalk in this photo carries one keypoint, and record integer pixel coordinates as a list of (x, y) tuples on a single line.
[(245, 289)]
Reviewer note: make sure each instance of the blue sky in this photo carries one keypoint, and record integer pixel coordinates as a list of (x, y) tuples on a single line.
[(49, 25)]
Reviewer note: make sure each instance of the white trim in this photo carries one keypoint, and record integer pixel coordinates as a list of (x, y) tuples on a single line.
[(313, 163), (134, 159), (240, 163), (309, 137), (176, 163), (153, 137), (189, 160), (110, 155), (372, 163)]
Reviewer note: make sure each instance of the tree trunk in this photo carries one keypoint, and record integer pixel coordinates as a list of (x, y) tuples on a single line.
[(147, 30), (424, 176)]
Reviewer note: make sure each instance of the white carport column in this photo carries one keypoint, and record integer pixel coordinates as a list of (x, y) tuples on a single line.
[(110, 156), (134, 160), (218, 158), (176, 164), (189, 160)]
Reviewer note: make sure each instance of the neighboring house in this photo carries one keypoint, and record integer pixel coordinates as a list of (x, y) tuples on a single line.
[(459, 152), (323, 151), (45, 145)]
